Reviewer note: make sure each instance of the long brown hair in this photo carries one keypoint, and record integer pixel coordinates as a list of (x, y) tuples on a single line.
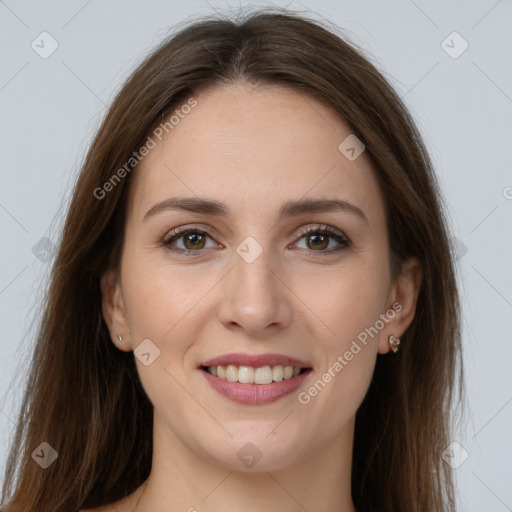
[(83, 395)]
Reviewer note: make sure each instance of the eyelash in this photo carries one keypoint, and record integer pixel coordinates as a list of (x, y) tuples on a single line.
[(317, 230)]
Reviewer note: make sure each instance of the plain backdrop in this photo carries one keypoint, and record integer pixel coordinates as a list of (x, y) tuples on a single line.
[(451, 62)]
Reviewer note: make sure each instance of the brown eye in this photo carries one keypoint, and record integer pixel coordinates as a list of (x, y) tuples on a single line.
[(187, 241), (318, 241), (193, 240)]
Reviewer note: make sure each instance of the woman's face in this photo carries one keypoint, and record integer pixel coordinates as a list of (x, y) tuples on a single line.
[(249, 285)]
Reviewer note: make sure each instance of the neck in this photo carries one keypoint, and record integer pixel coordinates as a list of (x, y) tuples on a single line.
[(320, 481)]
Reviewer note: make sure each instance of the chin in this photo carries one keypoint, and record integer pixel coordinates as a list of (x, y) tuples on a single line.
[(253, 454)]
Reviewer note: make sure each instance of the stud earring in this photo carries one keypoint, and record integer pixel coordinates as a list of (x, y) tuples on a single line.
[(394, 342), (120, 338)]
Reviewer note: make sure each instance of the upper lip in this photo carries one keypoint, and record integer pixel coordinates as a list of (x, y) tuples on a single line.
[(256, 360)]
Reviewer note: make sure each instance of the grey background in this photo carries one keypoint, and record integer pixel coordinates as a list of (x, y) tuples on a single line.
[(51, 107)]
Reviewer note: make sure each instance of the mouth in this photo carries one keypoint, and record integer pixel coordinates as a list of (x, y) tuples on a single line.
[(261, 376), (255, 379)]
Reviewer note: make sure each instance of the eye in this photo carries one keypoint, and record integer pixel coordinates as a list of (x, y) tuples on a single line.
[(318, 239), (194, 240)]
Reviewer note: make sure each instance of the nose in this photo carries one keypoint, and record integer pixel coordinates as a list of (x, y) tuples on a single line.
[(255, 299)]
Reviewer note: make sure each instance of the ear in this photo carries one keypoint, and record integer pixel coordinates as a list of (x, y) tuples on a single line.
[(404, 296), (113, 309)]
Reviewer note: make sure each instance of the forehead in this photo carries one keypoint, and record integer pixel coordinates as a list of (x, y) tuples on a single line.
[(251, 147)]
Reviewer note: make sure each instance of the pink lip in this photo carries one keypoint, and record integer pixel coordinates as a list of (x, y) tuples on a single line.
[(254, 394), (255, 360)]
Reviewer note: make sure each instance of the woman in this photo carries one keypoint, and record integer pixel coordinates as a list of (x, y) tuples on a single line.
[(253, 306)]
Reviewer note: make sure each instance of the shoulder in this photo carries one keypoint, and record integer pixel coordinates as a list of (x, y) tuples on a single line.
[(125, 504), (106, 508), (118, 506)]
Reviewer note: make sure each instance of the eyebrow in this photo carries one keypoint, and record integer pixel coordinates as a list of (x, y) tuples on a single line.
[(288, 209)]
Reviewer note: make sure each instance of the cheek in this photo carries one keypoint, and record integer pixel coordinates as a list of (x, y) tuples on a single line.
[(351, 307), (340, 384), (340, 393), (347, 300), (158, 296)]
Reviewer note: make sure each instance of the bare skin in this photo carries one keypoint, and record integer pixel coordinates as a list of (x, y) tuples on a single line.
[(254, 149)]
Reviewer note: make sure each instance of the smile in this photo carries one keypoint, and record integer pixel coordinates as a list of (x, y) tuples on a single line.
[(249, 375), (250, 392)]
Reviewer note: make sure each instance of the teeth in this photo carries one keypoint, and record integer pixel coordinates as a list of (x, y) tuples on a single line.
[(263, 375), (231, 373), (245, 374), (277, 373), (250, 375)]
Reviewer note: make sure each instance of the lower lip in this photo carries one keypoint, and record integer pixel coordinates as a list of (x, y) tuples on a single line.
[(254, 394)]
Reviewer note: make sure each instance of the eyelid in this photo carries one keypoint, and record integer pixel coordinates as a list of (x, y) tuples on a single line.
[(301, 232), (182, 230), (189, 227), (304, 230)]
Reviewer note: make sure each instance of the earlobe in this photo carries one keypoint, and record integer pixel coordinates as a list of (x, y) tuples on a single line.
[(113, 309), (404, 298)]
